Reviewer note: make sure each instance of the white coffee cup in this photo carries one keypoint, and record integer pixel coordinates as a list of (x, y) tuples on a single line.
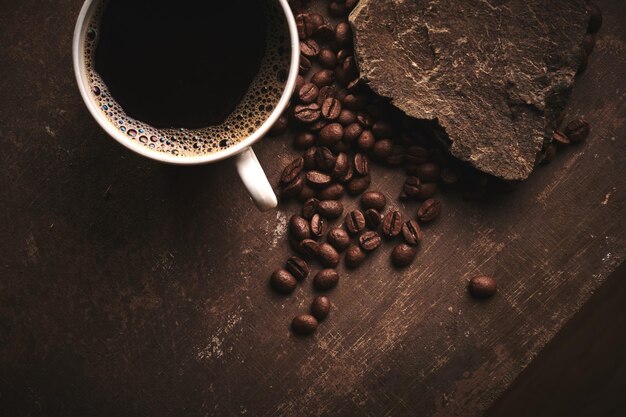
[(246, 162)]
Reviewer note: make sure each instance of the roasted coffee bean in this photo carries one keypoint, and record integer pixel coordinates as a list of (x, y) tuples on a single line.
[(403, 255), (318, 226), (338, 238), (416, 155), (429, 210), (373, 218), (327, 58), (308, 248), (309, 48), (373, 200), (307, 113), (358, 185), (382, 148), (304, 325), (364, 120), (305, 65), (310, 208), (280, 126), (361, 164), (317, 125), (347, 117), (392, 224), (370, 241), (292, 189), (412, 233), (595, 18), (560, 138), (343, 54), (298, 268), (308, 93), (428, 172), (309, 158), (354, 102), (411, 186), (549, 153), (320, 308), (326, 279), (330, 209), (354, 256), (355, 86), (299, 83), (304, 140), (397, 156), (292, 171), (299, 228), (343, 34), (317, 179), (331, 108), (352, 132), (577, 130), (306, 193), (325, 33), (366, 141), (325, 160), (331, 134), (382, 129), (351, 73), (332, 192), (323, 78), (342, 165), (427, 190), (341, 95), (326, 92), (283, 282), (348, 175), (306, 25), (327, 255), (355, 222), (337, 9), (482, 287), (450, 176)]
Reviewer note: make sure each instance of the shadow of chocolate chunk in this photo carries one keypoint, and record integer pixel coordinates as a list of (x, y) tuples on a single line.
[(494, 74)]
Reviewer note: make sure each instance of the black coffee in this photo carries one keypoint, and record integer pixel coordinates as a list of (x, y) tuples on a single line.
[(188, 76)]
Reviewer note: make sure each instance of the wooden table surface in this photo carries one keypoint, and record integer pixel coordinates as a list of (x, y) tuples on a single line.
[(128, 287)]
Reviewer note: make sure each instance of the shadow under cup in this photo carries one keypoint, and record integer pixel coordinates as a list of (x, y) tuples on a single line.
[(253, 111)]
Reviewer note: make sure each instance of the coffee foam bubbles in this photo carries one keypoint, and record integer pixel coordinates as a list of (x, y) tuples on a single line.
[(254, 109)]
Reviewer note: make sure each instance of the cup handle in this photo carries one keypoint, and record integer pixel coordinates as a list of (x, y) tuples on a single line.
[(255, 180)]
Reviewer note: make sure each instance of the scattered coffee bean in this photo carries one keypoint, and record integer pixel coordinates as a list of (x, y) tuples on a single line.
[(309, 158), (305, 65), (482, 287), (323, 78), (307, 113), (358, 185), (382, 148), (337, 9), (549, 153), (412, 233), (342, 165), (317, 179), (370, 241), (306, 25), (310, 208), (298, 268), (308, 93), (318, 226), (352, 132), (354, 102), (416, 155), (325, 280), (320, 308), (354, 256), (577, 130), (327, 255), (332, 192), (428, 172), (283, 282), (450, 176), (366, 140), (327, 58), (304, 140), (373, 200), (429, 210), (309, 48), (304, 325), (330, 209), (560, 138), (338, 238), (326, 92), (343, 34), (343, 54), (331, 134), (348, 175), (364, 120), (331, 109), (306, 193), (373, 218), (382, 129), (403, 255), (299, 228), (292, 171), (292, 189), (308, 248), (411, 186), (280, 126), (347, 117), (355, 222), (427, 190), (361, 164), (325, 160), (392, 224), (325, 33), (397, 156)]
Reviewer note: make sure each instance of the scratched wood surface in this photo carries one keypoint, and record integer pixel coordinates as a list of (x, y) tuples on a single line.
[(133, 288)]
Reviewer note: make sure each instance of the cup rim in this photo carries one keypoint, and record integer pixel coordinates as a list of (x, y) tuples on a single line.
[(80, 33)]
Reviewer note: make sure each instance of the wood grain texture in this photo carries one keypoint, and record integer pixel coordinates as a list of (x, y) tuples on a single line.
[(133, 288)]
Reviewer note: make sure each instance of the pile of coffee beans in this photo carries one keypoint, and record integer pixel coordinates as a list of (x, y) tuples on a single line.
[(341, 128)]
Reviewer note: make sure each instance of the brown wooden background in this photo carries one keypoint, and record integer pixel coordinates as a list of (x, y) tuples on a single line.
[(133, 288)]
